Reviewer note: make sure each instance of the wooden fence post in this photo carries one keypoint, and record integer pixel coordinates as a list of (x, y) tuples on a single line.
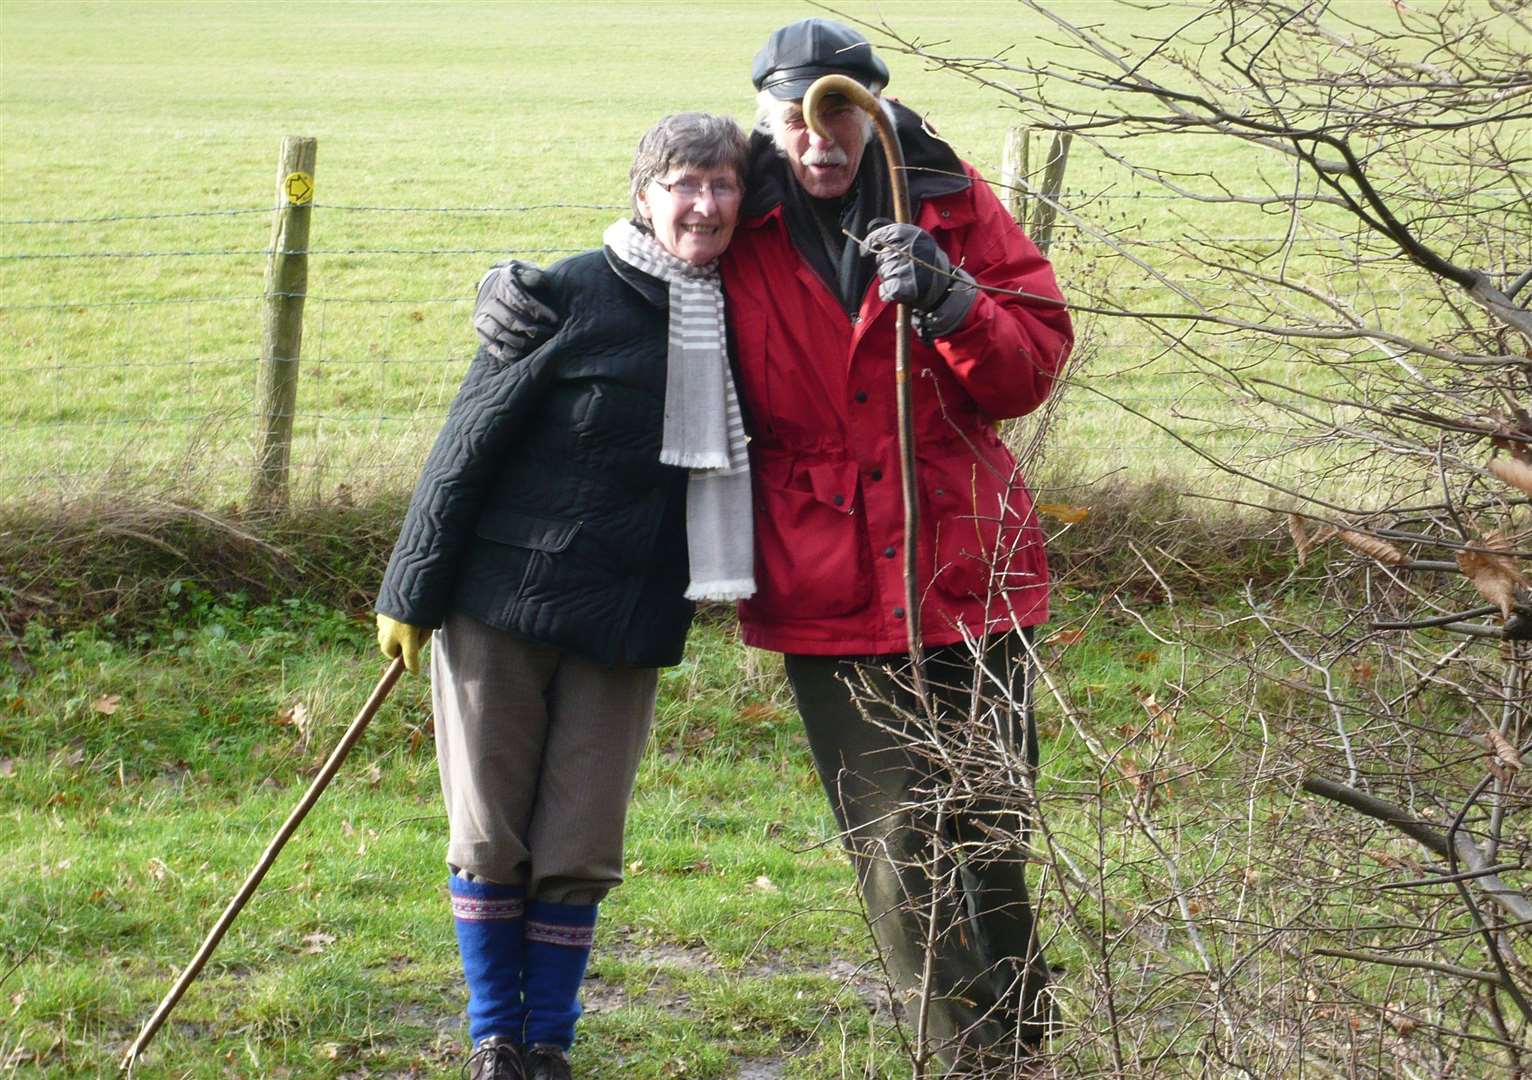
[(1022, 193), (1014, 174), (1046, 209), (287, 273)]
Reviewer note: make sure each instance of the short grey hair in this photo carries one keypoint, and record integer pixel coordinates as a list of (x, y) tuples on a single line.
[(701, 140), (768, 108)]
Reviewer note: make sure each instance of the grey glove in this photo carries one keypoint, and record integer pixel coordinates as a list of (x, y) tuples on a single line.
[(509, 320), (914, 270)]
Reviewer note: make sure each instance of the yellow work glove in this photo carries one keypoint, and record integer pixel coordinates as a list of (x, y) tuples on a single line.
[(401, 639)]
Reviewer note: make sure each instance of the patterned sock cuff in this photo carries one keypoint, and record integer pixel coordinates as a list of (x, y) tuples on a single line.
[(571, 925), (485, 901)]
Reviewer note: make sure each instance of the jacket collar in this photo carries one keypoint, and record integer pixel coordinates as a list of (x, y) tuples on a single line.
[(932, 168), (651, 288)]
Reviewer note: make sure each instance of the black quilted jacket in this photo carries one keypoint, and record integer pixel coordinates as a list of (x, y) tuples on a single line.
[(543, 508)]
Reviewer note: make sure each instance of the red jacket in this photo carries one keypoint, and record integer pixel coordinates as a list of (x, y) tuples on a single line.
[(818, 388)]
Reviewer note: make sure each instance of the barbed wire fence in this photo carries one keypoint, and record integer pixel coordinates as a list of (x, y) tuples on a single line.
[(125, 364)]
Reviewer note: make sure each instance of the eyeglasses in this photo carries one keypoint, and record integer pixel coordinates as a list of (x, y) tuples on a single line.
[(686, 188)]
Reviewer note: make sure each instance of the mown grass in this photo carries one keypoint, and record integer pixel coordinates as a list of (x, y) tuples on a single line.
[(147, 366)]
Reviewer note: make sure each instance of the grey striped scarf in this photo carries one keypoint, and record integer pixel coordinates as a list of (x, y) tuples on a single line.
[(704, 429)]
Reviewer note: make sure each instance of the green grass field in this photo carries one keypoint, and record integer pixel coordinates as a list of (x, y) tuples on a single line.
[(122, 119), (144, 762)]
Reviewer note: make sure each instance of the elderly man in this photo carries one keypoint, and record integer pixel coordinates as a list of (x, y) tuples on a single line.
[(813, 325)]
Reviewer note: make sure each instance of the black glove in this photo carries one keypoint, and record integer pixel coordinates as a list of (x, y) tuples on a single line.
[(914, 270), (509, 320)]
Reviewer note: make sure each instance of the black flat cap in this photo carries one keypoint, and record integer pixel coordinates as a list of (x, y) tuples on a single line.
[(797, 54)]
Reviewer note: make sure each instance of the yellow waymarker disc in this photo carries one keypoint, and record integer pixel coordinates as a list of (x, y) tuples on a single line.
[(300, 188)]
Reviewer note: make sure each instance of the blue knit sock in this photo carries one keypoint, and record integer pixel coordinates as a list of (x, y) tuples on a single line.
[(557, 948), (489, 921)]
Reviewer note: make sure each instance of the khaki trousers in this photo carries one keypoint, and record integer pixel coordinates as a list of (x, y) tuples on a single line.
[(538, 750)]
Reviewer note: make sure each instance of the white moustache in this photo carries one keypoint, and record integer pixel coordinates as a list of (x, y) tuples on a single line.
[(833, 156)]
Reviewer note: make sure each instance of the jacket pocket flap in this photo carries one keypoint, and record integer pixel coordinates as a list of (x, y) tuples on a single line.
[(834, 484), (525, 530)]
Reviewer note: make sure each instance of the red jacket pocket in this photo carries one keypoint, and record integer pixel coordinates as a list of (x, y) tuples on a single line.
[(810, 544)]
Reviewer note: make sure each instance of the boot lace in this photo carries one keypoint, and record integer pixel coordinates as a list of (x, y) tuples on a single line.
[(493, 1060)]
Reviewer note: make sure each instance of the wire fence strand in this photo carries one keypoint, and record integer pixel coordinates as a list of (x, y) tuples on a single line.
[(93, 378)]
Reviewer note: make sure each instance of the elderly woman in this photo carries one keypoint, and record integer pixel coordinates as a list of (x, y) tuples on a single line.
[(574, 506)]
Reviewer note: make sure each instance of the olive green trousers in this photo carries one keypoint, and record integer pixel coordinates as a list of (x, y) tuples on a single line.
[(925, 842)]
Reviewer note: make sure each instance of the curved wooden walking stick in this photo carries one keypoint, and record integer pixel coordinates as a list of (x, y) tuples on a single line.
[(326, 774), (893, 153)]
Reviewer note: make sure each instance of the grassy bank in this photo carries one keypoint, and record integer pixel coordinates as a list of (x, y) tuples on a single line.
[(179, 676)]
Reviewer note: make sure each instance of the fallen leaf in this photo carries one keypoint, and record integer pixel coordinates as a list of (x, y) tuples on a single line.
[(1504, 751), (1509, 436), (7, 767), (1402, 1022), (1158, 713), (106, 704), (374, 775), (1142, 782), (1495, 577), (296, 716), (1513, 471), (1301, 538), (1069, 515), (1066, 637), (317, 941), (765, 885), (1372, 547)]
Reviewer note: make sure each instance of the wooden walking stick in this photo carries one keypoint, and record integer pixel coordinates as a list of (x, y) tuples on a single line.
[(273, 849), (893, 153)]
